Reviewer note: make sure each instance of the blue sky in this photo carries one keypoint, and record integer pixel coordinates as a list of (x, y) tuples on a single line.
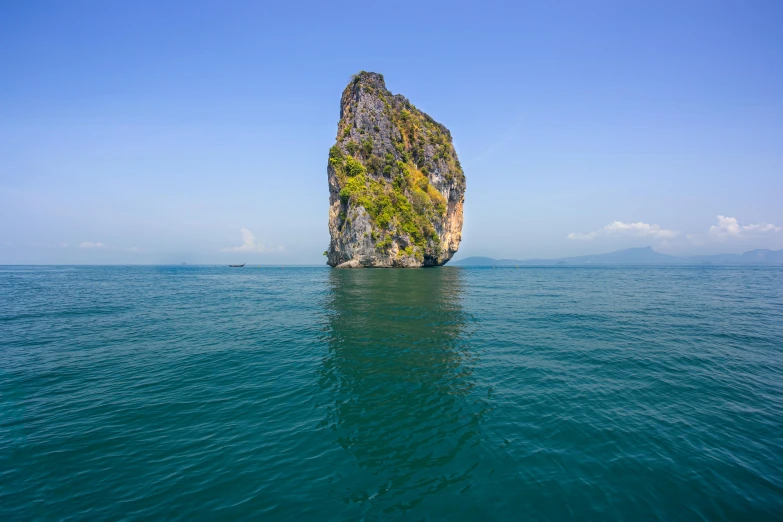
[(161, 132)]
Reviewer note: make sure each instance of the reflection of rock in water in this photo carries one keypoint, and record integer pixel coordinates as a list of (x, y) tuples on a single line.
[(400, 370)]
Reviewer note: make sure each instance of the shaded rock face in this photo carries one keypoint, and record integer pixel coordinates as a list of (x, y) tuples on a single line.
[(396, 188)]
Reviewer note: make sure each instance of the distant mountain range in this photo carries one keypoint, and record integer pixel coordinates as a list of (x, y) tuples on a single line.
[(638, 256)]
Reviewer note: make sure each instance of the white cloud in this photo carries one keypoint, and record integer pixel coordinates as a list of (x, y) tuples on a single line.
[(250, 244), (616, 228), (729, 227), (90, 244), (95, 245), (583, 237)]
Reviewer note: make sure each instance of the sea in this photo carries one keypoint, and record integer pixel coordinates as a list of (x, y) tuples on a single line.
[(307, 393)]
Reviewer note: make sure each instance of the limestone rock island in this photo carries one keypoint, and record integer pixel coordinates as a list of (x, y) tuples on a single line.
[(396, 188)]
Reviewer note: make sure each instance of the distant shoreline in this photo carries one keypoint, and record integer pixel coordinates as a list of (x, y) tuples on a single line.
[(639, 256)]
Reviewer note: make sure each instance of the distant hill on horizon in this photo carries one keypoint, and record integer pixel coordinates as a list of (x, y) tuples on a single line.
[(637, 256)]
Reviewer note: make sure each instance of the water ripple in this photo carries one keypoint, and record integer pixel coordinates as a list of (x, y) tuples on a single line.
[(542, 393)]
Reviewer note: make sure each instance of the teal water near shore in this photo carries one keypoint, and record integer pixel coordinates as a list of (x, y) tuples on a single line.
[(209, 393)]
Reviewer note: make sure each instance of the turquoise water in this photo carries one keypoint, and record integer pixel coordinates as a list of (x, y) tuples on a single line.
[(208, 393)]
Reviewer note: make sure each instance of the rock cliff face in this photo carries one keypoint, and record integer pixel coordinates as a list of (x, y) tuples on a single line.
[(396, 188)]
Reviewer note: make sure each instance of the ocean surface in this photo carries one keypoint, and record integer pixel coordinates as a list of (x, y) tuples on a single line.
[(209, 393)]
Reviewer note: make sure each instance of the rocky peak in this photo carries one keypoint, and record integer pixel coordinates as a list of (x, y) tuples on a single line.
[(396, 188)]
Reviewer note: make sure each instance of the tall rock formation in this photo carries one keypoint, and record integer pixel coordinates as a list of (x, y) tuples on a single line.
[(396, 188)]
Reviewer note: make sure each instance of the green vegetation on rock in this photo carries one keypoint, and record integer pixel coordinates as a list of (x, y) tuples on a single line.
[(396, 163)]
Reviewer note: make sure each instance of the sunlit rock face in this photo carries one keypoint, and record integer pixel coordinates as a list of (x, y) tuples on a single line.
[(396, 188)]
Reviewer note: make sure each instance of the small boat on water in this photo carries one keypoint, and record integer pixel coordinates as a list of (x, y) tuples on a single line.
[(236, 266)]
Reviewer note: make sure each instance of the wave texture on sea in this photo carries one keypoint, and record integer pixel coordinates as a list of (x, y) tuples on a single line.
[(203, 393)]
